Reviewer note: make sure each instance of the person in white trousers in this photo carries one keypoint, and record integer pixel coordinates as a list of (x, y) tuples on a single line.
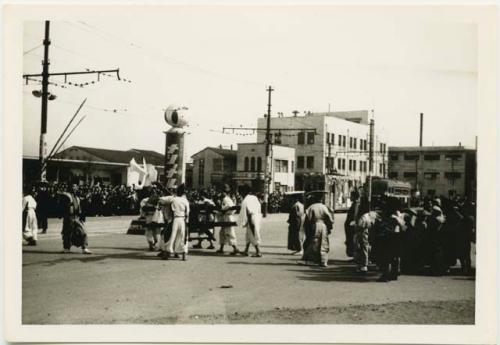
[(30, 225), (177, 243)]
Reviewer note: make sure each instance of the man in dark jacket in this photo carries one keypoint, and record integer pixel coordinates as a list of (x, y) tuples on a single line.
[(350, 224)]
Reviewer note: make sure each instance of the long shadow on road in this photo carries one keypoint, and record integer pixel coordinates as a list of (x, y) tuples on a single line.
[(64, 258)]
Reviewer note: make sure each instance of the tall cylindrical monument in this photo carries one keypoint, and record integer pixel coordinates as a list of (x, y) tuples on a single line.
[(175, 160)]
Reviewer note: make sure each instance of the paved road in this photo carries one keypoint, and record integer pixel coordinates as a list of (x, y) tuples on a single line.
[(124, 283)]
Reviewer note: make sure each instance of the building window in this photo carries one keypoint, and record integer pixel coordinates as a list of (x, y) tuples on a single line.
[(247, 164), (354, 143), (252, 164), (432, 157), (293, 166), (280, 165), (259, 164), (354, 165), (310, 137), (350, 164), (452, 175), (330, 163), (201, 172), (339, 163), (343, 140), (277, 138), (300, 162), (410, 174), (343, 163), (300, 138), (310, 162), (330, 138), (350, 143), (453, 157), (394, 157), (411, 157), (217, 164), (340, 140), (431, 175), (380, 168), (393, 174)]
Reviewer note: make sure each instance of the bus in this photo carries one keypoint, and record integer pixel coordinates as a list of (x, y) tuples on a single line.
[(391, 188)]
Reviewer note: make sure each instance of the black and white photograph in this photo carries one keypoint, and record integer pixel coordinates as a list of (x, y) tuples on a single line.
[(252, 165)]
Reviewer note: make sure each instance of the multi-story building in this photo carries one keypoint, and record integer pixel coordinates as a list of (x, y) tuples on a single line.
[(251, 167), (435, 170), (331, 150), (213, 166)]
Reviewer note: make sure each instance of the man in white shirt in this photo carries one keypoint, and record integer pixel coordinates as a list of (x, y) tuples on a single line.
[(178, 239), (250, 218), (227, 234)]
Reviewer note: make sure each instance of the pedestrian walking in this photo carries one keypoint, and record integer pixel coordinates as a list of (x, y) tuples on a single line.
[(250, 218), (73, 230), (227, 235), (318, 226), (296, 218), (177, 243), (30, 225)]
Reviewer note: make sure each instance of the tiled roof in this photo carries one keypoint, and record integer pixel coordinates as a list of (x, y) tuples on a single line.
[(117, 156), (223, 152)]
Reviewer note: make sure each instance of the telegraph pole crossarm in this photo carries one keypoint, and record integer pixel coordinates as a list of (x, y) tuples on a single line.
[(117, 71)]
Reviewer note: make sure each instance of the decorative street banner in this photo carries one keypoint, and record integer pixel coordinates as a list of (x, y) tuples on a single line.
[(174, 158)]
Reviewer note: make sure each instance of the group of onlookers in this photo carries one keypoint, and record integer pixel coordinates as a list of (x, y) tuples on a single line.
[(428, 239)]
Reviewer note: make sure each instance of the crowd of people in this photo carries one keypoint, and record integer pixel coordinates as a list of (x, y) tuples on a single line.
[(429, 238)]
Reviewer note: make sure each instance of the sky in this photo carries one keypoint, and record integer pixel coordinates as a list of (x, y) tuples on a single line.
[(218, 61)]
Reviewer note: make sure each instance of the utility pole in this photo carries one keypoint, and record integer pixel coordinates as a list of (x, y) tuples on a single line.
[(421, 129), (45, 95), (370, 162), (267, 175)]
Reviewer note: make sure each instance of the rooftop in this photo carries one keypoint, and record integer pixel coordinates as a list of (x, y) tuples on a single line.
[(118, 156), (427, 148), (223, 152)]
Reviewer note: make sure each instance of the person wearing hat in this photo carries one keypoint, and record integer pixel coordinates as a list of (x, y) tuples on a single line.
[(227, 235), (177, 243), (250, 218)]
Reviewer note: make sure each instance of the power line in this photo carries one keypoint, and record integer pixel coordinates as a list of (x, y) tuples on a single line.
[(30, 50), (156, 54)]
